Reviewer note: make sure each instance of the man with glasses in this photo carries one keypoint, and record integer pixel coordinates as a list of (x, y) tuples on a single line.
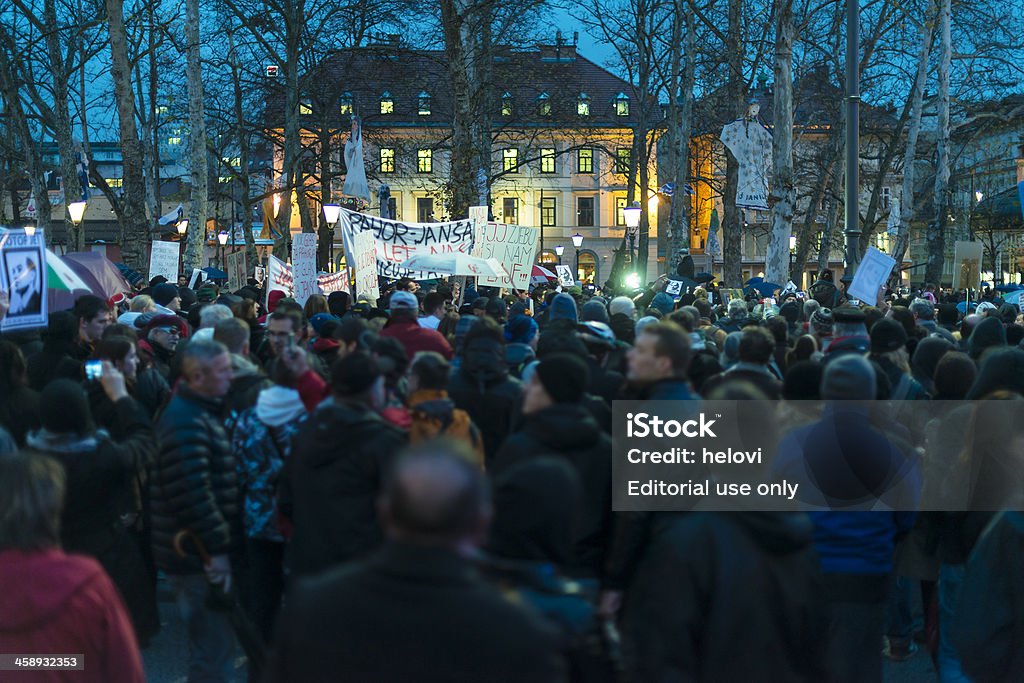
[(163, 332)]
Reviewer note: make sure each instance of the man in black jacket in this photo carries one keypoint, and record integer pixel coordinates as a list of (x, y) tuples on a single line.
[(194, 487), (416, 610), (339, 458)]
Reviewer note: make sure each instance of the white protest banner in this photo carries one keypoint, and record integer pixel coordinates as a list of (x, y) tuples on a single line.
[(565, 277), (514, 246), (279, 277), (673, 287), (967, 264), (163, 260), (197, 277), (236, 268), (333, 282), (23, 277), (365, 261), (751, 144), (397, 241), (478, 214), (871, 275), (304, 266)]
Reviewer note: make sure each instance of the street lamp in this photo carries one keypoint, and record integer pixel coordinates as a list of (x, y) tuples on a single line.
[(76, 211), (559, 250), (631, 214), (222, 237), (182, 227), (979, 195), (577, 241), (792, 253), (332, 212), (30, 230)]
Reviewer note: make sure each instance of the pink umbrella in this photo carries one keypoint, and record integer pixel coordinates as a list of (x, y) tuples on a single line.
[(99, 272)]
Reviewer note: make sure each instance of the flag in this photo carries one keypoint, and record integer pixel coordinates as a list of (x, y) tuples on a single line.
[(60, 277), (172, 217)]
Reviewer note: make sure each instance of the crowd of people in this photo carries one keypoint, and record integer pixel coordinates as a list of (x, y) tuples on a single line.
[(420, 488)]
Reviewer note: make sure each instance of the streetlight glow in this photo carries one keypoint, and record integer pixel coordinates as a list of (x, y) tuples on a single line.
[(577, 240), (631, 214), (332, 212), (76, 211), (792, 242), (222, 238), (979, 195), (30, 230), (559, 250), (183, 226)]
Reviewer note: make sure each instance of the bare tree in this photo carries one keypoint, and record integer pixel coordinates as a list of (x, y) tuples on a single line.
[(936, 236), (783, 191)]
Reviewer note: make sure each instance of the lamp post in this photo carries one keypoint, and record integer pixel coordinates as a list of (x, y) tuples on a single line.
[(577, 241), (222, 237), (792, 253), (30, 230), (559, 250), (631, 214), (332, 212)]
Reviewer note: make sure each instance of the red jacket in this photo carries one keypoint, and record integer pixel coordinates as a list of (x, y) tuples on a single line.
[(415, 338), (57, 604)]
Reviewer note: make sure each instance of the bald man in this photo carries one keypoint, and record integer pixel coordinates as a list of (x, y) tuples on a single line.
[(416, 609)]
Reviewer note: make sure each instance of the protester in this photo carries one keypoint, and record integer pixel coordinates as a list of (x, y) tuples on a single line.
[(404, 326), (19, 405), (755, 351), (658, 363), (433, 414), (93, 315), (433, 307), (416, 609)]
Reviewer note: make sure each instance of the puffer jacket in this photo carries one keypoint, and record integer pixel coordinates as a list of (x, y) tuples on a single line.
[(194, 482)]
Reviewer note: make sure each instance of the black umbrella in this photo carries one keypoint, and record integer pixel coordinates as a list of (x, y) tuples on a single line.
[(703, 277), (220, 600)]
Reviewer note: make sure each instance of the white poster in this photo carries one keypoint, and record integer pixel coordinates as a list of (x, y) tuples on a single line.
[(236, 268), (871, 275), (478, 214), (514, 246), (163, 260), (751, 144), (279, 277), (23, 277), (967, 264), (565, 277), (366, 266), (396, 242), (304, 266), (196, 279)]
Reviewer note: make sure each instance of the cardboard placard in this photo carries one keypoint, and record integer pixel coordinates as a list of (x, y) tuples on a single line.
[(365, 260), (163, 260), (304, 266), (565, 277)]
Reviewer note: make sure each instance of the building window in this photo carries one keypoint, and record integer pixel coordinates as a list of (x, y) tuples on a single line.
[(547, 212), (585, 160), (587, 267), (175, 138), (306, 107), (424, 209), (345, 104), (393, 208), (161, 110), (547, 160), (510, 210), (622, 159), (585, 212), (620, 215), (886, 197), (387, 103), (583, 105), (544, 104), (424, 103), (510, 160), (621, 105), (547, 258), (506, 104), (387, 159), (425, 161), (115, 182)]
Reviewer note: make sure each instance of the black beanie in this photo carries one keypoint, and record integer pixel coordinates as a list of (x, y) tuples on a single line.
[(988, 333), (64, 408), (565, 377), (887, 335), (803, 381), (354, 373)]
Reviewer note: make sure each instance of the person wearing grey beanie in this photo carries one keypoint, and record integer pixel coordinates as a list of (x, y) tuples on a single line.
[(849, 378)]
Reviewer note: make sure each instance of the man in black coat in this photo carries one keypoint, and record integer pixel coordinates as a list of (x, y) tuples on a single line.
[(557, 424), (415, 610), (339, 459), (194, 487)]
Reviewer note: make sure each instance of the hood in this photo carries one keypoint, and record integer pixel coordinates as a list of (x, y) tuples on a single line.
[(663, 302), (563, 306), (278, 405), (563, 427), (39, 586), (989, 332), (242, 366), (324, 345), (778, 533), (357, 422), (483, 361), (45, 440)]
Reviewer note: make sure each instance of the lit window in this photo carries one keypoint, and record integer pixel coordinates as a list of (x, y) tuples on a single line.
[(620, 214), (115, 182), (161, 110), (345, 104), (621, 105), (585, 160), (387, 159), (233, 162), (583, 105), (622, 159), (510, 210), (175, 138), (547, 212), (510, 157), (425, 160), (225, 179), (424, 102), (387, 103), (547, 160), (305, 107), (544, 104), (506, 104)]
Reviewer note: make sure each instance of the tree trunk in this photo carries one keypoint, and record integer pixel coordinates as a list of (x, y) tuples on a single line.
[(732, 221), (199, 193), (681, 105), (783, 187), (913, 130), (251, 258), (290, 175), (837, 178), (937, 228), (135, 231)]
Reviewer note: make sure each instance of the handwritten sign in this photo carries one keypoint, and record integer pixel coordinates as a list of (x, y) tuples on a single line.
[(163, 260), (236, 268), (366, 266), (514, 246), (304, 266)]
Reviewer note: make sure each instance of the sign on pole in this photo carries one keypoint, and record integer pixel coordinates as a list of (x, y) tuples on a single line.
[(967, 264), (366, 266), (163, 260), (236, 267), (514, 246), (304, 266), (565, 277), (871, 275), (23, 276)]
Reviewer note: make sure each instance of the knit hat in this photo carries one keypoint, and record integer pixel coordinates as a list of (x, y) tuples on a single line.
[(644, 322), (64, 408), (273, 298), (948, 315), (663, 302), (496, 308), (563, 307), (520, 329), (401, 299), (887, 335), (149, 321), (802, 382), (207, 294), (849, 377), (623, 305), (354, 373), (790, 311), (594, 310), (564, 377), (320, 319), (988, 333), (164, 293), (821, 321)]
